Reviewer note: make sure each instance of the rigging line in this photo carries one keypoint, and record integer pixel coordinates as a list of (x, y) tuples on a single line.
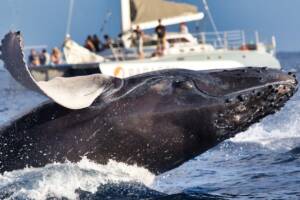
[(70, 15), (14, 7), (211, 19), (106, 20)]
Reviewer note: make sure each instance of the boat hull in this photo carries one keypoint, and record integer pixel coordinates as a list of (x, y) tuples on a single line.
[(191, 61)]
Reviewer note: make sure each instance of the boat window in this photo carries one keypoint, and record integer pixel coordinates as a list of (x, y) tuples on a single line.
[(150, 43), (177, 40)]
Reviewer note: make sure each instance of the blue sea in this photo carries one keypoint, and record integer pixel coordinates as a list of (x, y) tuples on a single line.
[(260, 163)]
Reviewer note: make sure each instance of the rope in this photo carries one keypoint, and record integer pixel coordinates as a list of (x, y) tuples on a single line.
[(14, 7), (106, 20)]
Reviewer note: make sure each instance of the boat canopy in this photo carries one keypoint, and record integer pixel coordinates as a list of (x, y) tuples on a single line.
[(146, 13), (76, 54)]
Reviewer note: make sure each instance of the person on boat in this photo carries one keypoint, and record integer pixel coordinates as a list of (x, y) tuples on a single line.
[(160, 31), (89, 44), (139, 41), (108, 42), (183, 28), (120, 40), (33, 58), (56, 56), (96, 42), (44, 57)]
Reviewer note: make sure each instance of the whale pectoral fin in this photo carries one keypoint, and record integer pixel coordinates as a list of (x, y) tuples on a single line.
[(76, 92), (73, 93), (13, 58)]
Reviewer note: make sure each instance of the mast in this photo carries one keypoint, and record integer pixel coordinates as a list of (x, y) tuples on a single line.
[(70, 15), (125, 15), (212, 21)]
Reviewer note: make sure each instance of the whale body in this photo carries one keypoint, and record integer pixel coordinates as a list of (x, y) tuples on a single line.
[(157, 120)]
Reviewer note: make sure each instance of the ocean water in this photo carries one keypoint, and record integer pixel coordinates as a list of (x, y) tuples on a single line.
[(260, 163)]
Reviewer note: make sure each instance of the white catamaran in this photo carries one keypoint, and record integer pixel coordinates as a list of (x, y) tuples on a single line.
[(201, 51)]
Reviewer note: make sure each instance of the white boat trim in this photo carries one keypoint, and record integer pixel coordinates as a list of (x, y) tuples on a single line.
[(127, 69)]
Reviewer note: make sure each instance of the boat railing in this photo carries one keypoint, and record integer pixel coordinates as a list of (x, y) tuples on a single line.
[(38, 48), (234, 39)]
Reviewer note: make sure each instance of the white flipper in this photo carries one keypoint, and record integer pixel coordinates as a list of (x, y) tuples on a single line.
[(73, 93)]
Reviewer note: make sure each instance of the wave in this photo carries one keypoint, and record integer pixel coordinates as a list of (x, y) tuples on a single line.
[(63, 180)]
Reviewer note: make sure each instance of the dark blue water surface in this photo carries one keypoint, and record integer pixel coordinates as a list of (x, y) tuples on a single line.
[(261, 163)]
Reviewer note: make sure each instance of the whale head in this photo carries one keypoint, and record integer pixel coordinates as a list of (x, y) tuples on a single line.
[(216, 105), (246, 96)]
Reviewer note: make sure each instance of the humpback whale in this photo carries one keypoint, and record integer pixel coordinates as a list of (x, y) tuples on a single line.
[(157, 120)]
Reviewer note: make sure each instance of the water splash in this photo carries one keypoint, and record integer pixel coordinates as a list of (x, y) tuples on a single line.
[(276, 132), (62, 180)]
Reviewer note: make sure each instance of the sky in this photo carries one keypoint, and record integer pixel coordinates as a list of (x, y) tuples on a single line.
[(43, 22)]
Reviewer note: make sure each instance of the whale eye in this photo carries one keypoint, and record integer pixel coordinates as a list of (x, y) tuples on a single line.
[(177, 83), (183, 84)]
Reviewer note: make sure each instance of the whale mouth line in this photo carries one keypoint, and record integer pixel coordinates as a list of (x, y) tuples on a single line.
[(292, 84), (289, 83)]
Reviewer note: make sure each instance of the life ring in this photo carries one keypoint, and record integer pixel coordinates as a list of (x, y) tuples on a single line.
[(119, 72)]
